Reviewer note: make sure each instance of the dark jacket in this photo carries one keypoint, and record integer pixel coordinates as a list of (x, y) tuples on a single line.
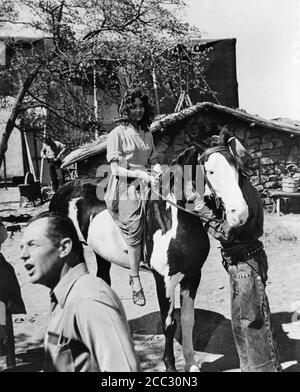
[(10, 292)]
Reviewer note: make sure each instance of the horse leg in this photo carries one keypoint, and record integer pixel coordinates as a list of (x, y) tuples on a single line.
[(187, 301), (167, 320), (103, 269)]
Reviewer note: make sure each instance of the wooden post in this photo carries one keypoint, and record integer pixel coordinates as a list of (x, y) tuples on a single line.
[(95, 99), (37, 156), (43, 159), (155, 91), (31, 167), (278, 206)]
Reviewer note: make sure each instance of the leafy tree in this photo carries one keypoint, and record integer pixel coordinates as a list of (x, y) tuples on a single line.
[(7, 11), (123, 43)]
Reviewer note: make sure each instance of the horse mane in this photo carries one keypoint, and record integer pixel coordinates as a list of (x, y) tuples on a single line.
[(161, 214), (188, 157)]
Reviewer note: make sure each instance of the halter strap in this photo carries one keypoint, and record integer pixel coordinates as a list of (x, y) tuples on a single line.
[(175, 204), (212, 150), (172, 203)]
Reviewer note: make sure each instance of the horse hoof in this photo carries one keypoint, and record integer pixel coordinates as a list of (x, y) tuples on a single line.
[(194, 369), (171, 369)]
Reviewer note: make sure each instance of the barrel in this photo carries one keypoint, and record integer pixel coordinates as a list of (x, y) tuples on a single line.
[(290, 185)]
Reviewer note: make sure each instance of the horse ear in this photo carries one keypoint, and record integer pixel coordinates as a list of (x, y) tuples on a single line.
[(224, 136), (214, 141), (239, 152)]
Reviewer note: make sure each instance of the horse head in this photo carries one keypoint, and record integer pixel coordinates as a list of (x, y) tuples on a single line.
[(223, 165)]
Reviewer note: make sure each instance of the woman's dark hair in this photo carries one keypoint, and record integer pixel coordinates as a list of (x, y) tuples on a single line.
[(59, 227), (126, 103)]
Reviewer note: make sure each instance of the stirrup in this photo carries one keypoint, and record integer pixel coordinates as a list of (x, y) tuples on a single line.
[(138, 297)]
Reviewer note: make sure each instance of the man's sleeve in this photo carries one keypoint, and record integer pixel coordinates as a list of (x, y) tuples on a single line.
[(104, 330), (215, 226)]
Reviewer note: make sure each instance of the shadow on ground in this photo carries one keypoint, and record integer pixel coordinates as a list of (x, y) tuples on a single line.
[(29, 356), (213, 335)]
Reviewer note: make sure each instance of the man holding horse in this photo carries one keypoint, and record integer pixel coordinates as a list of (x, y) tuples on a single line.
[(237, 222), (88, 329)]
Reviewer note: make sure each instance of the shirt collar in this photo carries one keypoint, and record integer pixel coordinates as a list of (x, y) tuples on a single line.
[(64, 286)]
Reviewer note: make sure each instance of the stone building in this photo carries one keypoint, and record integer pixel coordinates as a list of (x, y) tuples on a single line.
[(273, 145)]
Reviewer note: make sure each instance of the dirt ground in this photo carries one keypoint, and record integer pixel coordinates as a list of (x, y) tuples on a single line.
[(213, 340)]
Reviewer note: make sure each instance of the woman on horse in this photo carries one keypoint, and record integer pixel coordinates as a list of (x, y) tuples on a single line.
[(130, 152)]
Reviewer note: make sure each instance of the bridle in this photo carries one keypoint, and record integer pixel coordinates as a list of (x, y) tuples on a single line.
[(201, 159), (164, 198), (205, 154), (212, 150)]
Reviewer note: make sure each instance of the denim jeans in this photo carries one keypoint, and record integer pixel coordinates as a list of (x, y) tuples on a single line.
[(251, 317)]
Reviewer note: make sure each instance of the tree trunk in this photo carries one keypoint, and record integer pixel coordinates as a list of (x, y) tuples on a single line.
[(16, 111)]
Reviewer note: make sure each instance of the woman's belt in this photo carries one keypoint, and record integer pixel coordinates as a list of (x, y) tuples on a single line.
[(241, 253)]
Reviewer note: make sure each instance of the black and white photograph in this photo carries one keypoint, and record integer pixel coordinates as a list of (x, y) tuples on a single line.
[(149, 188)]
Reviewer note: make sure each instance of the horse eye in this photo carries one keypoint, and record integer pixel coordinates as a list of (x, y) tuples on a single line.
[(210, 172)]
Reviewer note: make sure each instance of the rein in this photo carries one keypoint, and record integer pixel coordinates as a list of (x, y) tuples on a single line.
[(175, 204), (170, 201)]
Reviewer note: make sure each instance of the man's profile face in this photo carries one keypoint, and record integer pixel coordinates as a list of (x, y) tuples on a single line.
[(41, 258)]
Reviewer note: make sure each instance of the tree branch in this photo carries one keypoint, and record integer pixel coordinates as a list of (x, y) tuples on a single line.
[(53, 111)]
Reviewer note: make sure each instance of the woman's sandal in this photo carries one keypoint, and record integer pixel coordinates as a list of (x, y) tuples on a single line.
[(138, 297)]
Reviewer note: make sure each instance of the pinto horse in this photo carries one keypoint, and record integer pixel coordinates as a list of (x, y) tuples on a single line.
[(177, 243)]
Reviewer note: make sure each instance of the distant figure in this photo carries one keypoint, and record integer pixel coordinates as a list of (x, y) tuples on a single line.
[(88, 329), (11, 302), (52, 151)]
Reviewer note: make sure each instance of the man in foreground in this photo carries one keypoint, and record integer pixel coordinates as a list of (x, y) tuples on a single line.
[(88, 329)]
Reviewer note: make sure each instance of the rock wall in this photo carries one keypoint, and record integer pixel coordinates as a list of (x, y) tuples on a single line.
[(272, 151)]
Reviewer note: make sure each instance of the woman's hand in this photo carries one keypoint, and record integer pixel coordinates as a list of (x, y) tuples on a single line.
[(199, 202), (155, 179), (149, 178), (143, 175)]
